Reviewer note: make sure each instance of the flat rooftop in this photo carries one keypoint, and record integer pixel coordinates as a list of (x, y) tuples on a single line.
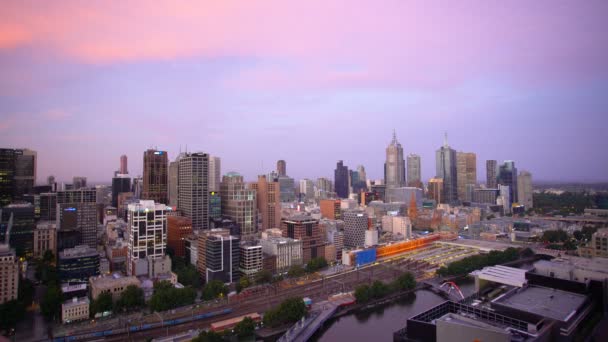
[(546, 302), (503, 275)]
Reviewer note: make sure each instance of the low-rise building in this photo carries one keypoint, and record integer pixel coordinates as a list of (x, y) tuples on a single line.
[(250, 260), (9, 274), (114, 284), (75, 309), (45, 238), (78, 264), (598, 246), (288, 252)]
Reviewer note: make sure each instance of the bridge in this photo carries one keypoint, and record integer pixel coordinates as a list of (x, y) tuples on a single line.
[(321, 312)]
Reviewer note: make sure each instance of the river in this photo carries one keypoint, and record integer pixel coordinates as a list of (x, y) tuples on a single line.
[(378, 323)]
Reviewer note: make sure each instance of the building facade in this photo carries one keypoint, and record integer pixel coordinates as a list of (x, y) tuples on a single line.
[(9, 274), (288, 252), (115, 285), (121, 183), (306, 229), (215, 173), (268, 201), (75, 309), (282, 168), (507, 176), (45, 238), (147, 232), (341, 180), (394, 167), (178, 229), (466, 170), (414, 177), (445, 159), (355, 225), (222, 258), (435, 190), (173, 176), (193, 188), (307, 190), (155, 179), (250, 260), (22, 219), (76, 218), (524, 189), (76, 265), (491, 173), (239, 203)]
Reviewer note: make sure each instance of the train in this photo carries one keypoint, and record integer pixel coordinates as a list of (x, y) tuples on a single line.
[(141, 327)]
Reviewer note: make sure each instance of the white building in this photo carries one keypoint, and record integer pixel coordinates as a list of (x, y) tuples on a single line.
[(524, 189), (397, 225), (147, 231), (307, 189), (250, 260), (288, 251), (193, 188), (76, 309), (371, 237)]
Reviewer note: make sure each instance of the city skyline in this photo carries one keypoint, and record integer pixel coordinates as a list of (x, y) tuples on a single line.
[(508, 82)]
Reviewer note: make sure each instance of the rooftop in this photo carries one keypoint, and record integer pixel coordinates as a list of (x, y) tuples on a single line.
[(545, 302), (503, 275), (113, 280), (75, 301), (78, 251)]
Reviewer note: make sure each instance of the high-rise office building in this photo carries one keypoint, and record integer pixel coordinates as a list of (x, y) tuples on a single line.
[(491, 174), (355, 225), (123, 165), (325, 189), (201, 248), (48, 206), (215, 173), (282, 168), (121, 183), (173, 176), (193, 188), (466, 170), (445, 159), (307, 189), (413, 171), (507, 175), (76, 218), (17, 174), (268, 197), (435, 190), (524, 189), (341, 180), (239, 203), (79, 182), (306, 229), (394, 167), (155, 180), (215, 205), (21, 217), (147, 232), (362, 174)]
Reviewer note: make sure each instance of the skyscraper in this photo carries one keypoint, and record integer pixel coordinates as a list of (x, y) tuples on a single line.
[(445, 159), (193, 188), (268, 196), (355, 225), (524, 189), (155, 176), (76, 218), (282, 168), (215, 173), (79, 182), (121, 183), (123, 165), (507, 176), (394, 167), (491, 174), (239, 203), (413, 171), (17, 174), (173, 175), (341, 180), (362, 174), (466, 169), (307, 189), (435, 190), (147, 229)]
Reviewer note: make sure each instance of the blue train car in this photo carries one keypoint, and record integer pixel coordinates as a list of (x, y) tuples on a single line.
[(364, 257)]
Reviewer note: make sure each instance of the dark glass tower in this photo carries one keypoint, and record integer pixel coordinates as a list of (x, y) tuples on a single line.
[(445, 158), (507, 175), (341, 180)]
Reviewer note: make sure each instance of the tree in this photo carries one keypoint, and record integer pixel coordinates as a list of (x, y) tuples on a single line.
[(245, 328), (316, 264), (378, 289), (527, 253), (208, 336), (102, 304), (554, 236), (48, 257), (11, 313), (132, 298), (214, 289), (262, 277), (167, 297), (406, 281), (26, 292), (296, 271), (289, 311), (51, 302), (242, 284), (362, 293), (188, 276)]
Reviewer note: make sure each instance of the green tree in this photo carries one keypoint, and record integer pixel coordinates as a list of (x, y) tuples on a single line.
[(188, 276), (50, 305), (316, 264), (26, 292), (378, 289), (527, 252), (296, 271), (289, 311), (208, 336), (363, 294), (11, 313), (262, 277), (406, 281), (48, 257), (167, 297), (214, 289), (131, 298), (102, 304), (245, 328), (242, 284)]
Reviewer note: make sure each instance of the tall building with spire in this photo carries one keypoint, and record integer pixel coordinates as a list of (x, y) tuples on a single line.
[(394, 167), (445, 158)]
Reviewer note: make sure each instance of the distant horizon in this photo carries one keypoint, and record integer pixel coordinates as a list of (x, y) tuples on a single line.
[(313, 82)]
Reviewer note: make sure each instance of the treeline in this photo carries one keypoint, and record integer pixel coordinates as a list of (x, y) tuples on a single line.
[(289, 311), (378, 289), (568, 202), (132, 298), (479, 261)]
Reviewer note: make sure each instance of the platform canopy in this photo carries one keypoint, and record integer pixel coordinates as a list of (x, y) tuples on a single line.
[(502, 275)]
